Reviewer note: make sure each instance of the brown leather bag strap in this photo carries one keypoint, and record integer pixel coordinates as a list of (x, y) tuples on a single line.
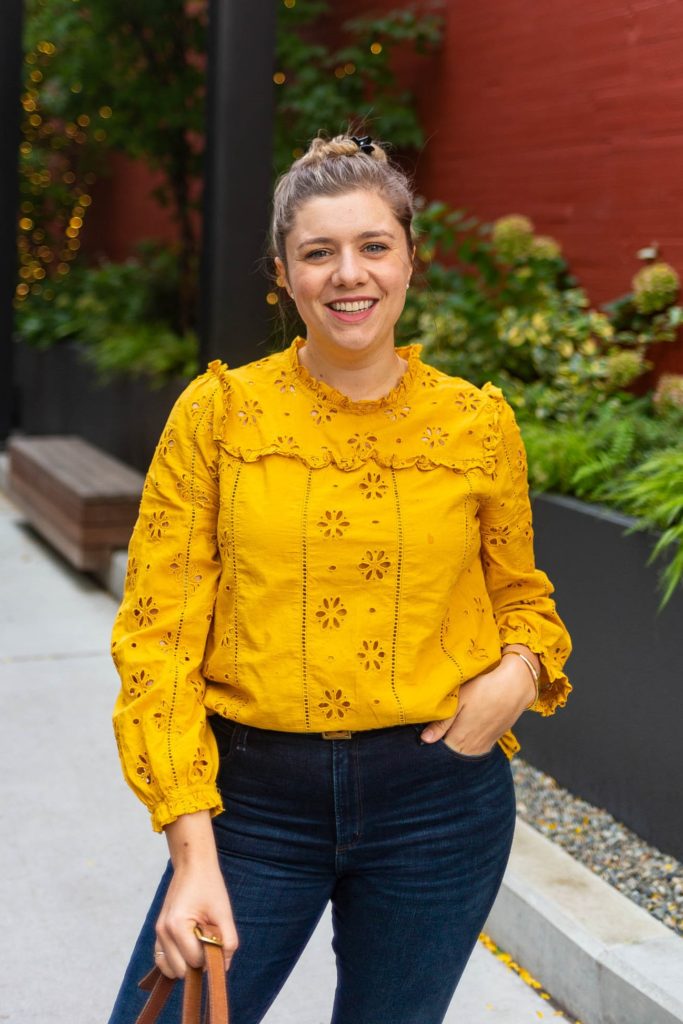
[(160, 987)]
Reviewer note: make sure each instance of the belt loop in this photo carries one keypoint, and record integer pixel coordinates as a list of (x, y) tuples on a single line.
[(342, 734)]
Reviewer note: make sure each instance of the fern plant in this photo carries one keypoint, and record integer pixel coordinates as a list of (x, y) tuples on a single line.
[(653, 492)]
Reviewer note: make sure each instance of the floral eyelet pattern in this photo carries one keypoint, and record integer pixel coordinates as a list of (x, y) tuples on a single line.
[(331, 613), (362, 442), (145, 611), (139, 682), (249, 413), (434, 436), (375, 565), (371, 655), (335, 704), (157, 525), (323, 413), (373, 486), (333, 523)]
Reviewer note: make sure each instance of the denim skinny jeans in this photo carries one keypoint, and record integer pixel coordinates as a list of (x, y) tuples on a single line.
[(408, 840)]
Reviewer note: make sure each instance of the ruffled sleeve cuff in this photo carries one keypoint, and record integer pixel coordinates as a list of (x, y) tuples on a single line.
[(204, 798), (553, 686)]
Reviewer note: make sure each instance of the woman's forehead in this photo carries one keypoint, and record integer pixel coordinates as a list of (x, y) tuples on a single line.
[(355, 212)]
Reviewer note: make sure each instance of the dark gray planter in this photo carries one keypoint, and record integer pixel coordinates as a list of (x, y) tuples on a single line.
[(617, 743), (57, 392)]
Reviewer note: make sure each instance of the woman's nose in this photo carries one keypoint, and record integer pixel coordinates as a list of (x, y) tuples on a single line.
[(349, 270)]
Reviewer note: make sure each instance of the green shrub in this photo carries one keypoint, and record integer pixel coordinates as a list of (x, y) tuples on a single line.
[(125, 316)]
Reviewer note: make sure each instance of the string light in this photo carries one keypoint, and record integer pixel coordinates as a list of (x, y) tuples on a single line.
[(272, 298), (349, 68), (376, 48), (279, 78), (42, 255)]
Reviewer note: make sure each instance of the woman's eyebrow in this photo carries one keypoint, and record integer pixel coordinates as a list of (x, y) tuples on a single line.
[(321, 240)]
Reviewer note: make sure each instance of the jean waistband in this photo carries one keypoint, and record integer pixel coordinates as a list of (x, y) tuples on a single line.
[(329, 735)]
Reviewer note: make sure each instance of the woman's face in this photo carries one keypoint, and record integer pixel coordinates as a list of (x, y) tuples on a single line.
[(348, 267)]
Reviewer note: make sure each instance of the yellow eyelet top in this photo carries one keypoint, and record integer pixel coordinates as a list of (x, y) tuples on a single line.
[(306, 562)]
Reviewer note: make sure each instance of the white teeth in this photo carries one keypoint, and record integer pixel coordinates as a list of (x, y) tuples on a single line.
[(351, 307)]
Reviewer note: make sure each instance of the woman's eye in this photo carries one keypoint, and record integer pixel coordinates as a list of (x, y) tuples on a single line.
[(375, 247), (317, 254)]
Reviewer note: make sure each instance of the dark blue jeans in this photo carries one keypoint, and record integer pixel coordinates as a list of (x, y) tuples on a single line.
[(408, 840)]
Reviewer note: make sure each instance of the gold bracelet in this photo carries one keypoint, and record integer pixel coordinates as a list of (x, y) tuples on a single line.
[(534, 674)]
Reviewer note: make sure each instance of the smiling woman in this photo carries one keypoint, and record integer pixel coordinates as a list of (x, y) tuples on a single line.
[(343, 622)]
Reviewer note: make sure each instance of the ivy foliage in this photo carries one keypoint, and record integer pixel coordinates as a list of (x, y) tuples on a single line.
[(327, 87)]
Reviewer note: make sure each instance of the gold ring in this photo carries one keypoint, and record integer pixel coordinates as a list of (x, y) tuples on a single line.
[(159, 952), (210, 940)]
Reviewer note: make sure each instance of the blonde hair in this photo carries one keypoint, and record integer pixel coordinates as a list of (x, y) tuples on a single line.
[(332, 167)]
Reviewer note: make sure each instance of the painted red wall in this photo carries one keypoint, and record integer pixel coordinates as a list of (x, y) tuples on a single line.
[(123, 211)]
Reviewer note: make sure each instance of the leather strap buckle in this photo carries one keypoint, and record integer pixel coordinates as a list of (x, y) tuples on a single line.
[(343, 734)]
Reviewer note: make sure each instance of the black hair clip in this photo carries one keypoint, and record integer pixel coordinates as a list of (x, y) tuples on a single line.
[(364, 143)]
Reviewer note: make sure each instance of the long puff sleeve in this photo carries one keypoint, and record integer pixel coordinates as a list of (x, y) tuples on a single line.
[(520, 593), (167, 749)]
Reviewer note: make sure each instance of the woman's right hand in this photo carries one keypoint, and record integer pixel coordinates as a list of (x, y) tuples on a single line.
[(197, 895)]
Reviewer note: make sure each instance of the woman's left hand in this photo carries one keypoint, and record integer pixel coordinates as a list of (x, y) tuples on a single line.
[(488, 706)]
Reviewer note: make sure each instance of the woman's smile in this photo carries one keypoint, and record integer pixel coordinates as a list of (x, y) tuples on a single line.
[(352, 310)]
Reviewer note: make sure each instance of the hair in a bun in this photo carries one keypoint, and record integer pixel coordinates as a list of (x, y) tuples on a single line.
[(342, 145), (332, 167)]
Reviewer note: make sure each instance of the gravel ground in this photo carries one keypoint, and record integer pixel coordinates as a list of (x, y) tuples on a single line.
[(650, 878)]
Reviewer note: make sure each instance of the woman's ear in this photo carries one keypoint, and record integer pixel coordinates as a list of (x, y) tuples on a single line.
[(281, 272)]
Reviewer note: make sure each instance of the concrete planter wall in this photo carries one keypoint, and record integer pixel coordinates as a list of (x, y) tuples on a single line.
[(617, 743), (56, 392)]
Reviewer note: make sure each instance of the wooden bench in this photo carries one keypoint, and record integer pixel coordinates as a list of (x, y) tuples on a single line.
[(81, 500)]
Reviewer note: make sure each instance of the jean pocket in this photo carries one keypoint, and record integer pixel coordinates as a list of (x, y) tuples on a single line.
[(466, 757), (226, 732)]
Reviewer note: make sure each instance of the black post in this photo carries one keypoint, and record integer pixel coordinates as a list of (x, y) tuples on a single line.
[(10, 91), (237, 183)]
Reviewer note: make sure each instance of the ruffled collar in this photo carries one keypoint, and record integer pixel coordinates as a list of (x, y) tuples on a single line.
[(274, 406), (397, 395)]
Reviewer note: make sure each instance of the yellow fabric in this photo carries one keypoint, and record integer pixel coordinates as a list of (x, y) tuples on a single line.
[(305, 562)]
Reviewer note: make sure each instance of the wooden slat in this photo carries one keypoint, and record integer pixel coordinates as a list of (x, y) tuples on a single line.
[(106, 512), (79, 467), (82, 533), (85, 559)]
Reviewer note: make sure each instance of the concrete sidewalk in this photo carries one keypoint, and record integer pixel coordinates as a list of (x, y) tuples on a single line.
[(78, 861)]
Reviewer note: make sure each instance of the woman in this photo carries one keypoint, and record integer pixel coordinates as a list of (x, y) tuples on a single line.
[(332, 620)]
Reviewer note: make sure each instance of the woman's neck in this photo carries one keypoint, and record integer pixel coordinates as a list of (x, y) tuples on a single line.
[(369, 378)]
